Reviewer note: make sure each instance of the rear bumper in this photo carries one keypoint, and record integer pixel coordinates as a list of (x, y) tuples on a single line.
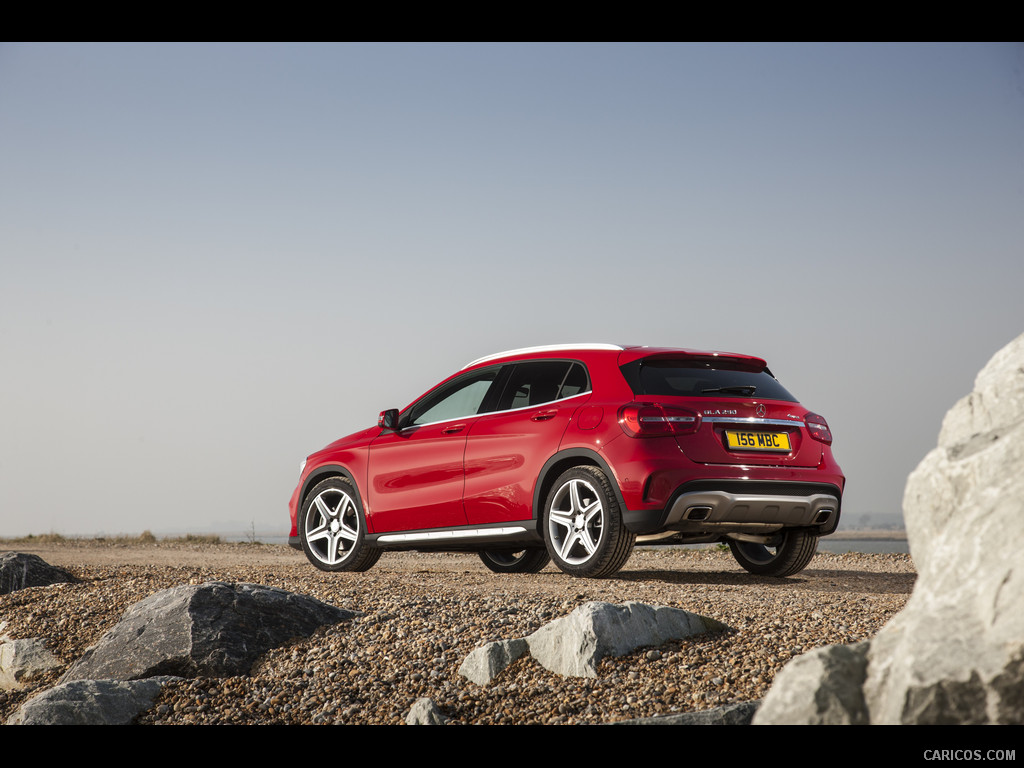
[(743, 507)]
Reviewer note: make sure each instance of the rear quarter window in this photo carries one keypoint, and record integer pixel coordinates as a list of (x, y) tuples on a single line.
[(535, 383)]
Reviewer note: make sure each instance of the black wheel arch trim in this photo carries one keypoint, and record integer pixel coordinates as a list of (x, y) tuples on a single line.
[(325, 471), (315, 476), (572, 457)]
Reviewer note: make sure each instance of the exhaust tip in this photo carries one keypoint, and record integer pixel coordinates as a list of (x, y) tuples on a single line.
[(697, 513), (823, 516)]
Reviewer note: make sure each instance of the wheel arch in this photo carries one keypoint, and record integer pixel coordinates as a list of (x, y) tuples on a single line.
[(325, 472), (559, 463)]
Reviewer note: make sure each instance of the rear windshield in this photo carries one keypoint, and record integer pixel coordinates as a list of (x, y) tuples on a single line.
[(696, 378)]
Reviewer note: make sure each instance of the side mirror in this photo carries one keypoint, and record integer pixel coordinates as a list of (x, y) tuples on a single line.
[(388, 419)]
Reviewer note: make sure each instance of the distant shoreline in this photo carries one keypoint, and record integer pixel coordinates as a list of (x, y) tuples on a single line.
[(869, 534)]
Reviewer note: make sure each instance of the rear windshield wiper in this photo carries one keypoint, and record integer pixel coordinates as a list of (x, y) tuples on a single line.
[(739, 389)]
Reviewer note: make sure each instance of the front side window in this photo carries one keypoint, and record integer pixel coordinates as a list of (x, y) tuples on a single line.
[(458, 399)]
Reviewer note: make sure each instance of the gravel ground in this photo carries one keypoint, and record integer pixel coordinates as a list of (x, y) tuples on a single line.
[(421, 614)]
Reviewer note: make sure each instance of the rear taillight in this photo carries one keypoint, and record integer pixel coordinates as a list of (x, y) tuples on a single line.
[(651, 420), (817, 428)]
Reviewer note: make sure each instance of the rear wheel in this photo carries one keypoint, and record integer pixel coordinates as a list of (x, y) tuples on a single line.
[(333, 528), (787, 553), (512, 561), (583, 527)]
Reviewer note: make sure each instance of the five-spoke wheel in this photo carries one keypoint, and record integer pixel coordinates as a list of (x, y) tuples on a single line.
[(583, 525), (333, 529)]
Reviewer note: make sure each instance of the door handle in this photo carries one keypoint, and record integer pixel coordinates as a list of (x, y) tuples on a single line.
[(453, 429), (543, 415)]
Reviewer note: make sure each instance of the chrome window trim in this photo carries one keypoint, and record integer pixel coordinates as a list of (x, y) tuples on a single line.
[(494, 413)]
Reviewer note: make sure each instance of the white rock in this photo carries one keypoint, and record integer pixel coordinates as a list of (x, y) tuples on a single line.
[(22, 660), (955, 653), (822, 687)]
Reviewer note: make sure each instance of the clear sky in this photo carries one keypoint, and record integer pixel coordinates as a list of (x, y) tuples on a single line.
[(215, 259)]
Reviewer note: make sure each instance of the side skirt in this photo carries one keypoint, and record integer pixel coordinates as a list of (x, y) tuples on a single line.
[(517, 534)]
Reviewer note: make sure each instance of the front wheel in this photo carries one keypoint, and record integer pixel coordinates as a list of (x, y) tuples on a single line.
[(333, 528), (787, 553), (583, 527), (510, 561)]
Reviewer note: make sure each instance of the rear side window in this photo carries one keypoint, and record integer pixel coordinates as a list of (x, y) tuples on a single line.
[(698, 378), (543, 382)]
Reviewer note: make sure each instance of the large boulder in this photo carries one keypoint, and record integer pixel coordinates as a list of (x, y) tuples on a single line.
[(575, 644), (90, 702), (23, 660), (19, 570), (214, 629), (821, 687), (955, 653)]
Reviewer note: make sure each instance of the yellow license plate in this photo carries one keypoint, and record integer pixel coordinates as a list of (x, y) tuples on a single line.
[(757, 441)]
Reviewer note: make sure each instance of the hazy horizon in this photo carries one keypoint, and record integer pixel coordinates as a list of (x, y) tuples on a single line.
[(217, 258)]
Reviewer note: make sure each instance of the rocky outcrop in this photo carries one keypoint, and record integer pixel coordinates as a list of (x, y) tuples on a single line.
[(575, 644), (23, 660), (90, 702), (214, 629), (955, 653), (18, 570), (822, 687)]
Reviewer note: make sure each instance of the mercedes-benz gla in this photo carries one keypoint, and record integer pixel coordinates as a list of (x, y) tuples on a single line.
[(569, 453)]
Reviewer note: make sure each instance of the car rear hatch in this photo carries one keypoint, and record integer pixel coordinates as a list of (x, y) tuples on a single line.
[(732, 409)]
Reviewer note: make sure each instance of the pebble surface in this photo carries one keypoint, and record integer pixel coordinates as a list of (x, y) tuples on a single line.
[(421, 614)]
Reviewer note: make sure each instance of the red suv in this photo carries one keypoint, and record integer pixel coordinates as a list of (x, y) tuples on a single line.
[(569, 453)]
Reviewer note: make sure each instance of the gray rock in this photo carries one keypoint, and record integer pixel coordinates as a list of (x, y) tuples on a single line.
[(822, 687), (214, 629), (732, 714), (23, 660), (487, 662), (90, 702), (955, 653), (425, 712), (574, 644), (18, 570)]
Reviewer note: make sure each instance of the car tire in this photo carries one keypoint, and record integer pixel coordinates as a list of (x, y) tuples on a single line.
[(583, 528), (789, 555), (512, 561), (333, 529)]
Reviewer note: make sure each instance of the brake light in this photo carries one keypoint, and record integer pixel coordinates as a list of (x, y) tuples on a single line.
[(817, 428), (651, 420)]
